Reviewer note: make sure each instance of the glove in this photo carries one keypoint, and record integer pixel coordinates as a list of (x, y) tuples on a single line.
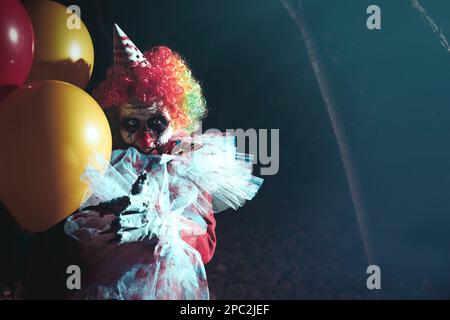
[(131, 222)]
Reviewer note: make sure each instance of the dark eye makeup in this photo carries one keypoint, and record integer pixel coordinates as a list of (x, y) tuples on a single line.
[(158, 123), (130, 125), (133, 125)]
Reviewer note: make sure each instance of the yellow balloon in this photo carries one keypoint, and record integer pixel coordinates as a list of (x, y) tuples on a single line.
[(63, 46), (49, 130)]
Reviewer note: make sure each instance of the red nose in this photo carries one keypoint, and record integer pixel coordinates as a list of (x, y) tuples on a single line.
[(145, 140)]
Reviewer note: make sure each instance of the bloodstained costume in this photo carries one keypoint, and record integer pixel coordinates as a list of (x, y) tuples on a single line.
[(146, 227)]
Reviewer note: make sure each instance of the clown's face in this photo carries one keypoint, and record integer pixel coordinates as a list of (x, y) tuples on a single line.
[(146, 128)]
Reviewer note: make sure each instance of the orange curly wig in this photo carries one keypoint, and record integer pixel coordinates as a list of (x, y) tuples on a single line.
[(167, 79)]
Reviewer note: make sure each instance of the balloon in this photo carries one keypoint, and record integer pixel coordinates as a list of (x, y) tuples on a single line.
[(48, 132), (16, 45), (63, 45)]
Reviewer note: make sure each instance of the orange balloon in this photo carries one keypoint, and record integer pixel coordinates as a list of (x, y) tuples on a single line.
[(49, 130), (63, 48)]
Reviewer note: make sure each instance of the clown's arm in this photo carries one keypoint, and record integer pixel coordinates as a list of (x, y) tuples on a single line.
[(205, 243), (130, 222), (130, 229)]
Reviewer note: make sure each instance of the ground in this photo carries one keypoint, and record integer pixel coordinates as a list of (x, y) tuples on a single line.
[(309, 248)]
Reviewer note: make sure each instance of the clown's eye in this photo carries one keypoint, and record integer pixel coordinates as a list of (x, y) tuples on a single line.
[(132, 122), (130, 125), (158, 124)]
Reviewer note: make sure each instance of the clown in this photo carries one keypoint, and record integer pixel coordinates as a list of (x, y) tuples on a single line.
[(147, 226)]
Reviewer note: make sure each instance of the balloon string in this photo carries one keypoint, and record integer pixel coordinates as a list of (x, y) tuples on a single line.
[(336, 122), (436, 30)]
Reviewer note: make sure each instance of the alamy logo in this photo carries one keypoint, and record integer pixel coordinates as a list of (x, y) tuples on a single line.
[(374, 20), (262, 144), (74, 279), (74, 19), (374, 280)]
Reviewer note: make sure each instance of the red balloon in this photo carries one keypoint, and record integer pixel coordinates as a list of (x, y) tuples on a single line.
[(16, 45)]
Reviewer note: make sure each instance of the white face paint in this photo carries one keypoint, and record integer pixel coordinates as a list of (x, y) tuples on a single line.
[(146, 128)]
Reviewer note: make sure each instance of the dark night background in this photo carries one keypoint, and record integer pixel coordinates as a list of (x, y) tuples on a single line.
[(298, 239)]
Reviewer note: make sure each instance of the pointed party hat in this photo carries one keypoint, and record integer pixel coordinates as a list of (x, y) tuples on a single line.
[(126, 54)]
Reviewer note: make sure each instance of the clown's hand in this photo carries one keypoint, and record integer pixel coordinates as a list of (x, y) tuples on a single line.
[(112, 207), (132, 224), (119, 205)]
